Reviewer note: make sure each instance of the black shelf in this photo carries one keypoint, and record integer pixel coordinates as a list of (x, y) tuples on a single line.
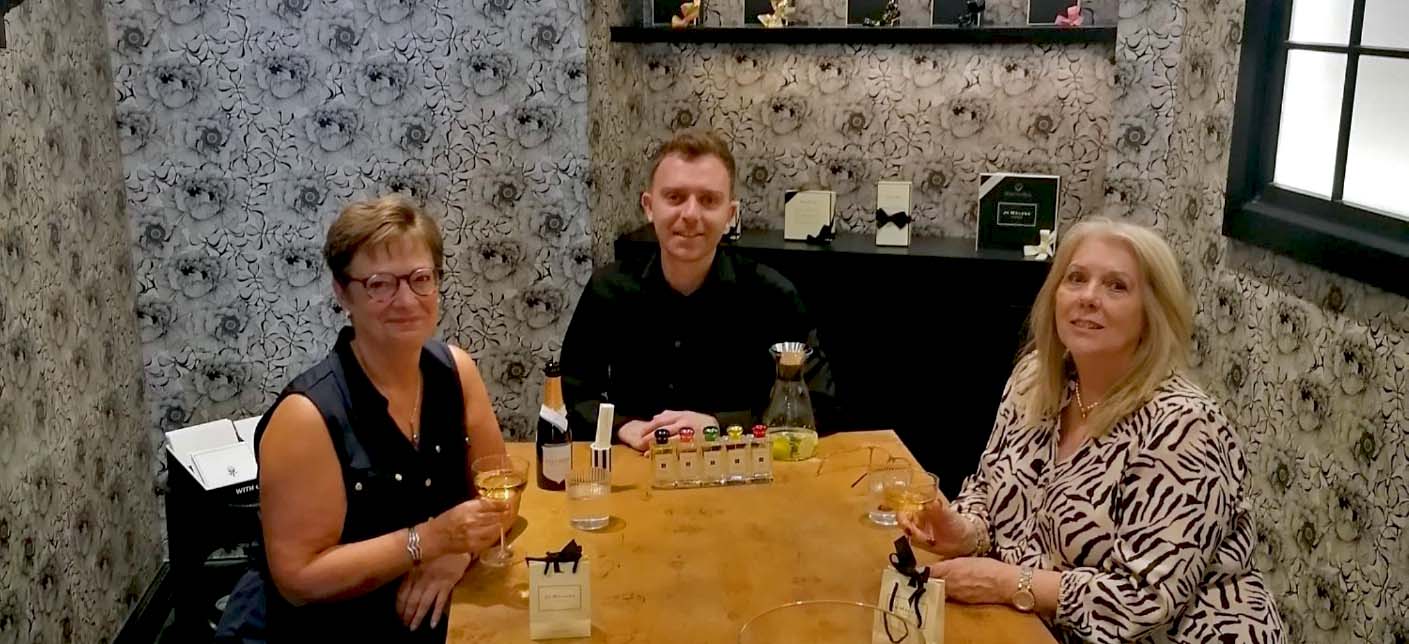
[(857, 35)]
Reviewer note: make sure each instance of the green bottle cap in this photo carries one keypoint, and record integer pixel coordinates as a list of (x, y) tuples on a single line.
[(711, 434)]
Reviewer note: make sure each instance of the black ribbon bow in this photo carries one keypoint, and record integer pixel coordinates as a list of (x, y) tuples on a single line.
[(900, 219), (903, 560), (571, 553), (823, 236)]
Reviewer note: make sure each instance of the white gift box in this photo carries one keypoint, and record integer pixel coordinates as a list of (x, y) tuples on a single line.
[(893, 199)]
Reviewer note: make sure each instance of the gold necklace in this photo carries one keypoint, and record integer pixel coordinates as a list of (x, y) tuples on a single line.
[(415, 422), (1083, 407)]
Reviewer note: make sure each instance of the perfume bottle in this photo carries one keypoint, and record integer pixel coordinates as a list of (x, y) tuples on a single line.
[(760, 455), (736, 456), (712, 456), (663, 460), (691, 468)]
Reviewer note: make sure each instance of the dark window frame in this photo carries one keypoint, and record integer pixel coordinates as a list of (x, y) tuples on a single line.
[(1354, 241)]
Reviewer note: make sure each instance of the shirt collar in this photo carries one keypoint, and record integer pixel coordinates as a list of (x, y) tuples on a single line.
[(721, 272)]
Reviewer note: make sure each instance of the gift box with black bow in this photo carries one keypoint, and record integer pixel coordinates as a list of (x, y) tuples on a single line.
[(893, 215)]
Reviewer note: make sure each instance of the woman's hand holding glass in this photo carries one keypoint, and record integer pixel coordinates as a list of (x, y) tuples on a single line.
[(938, 529), (468, 528)]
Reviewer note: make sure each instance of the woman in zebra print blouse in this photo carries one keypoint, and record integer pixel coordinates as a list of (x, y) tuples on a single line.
[(1110, 498)]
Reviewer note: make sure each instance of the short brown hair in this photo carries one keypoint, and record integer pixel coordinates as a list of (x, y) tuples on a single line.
[(372, 222), (693, 144)]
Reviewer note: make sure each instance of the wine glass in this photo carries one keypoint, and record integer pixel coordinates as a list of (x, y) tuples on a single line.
[(500, 477), (907, 491), (881, 512), (822, 620)]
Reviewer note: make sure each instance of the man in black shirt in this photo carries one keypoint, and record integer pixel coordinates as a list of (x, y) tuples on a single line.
[(682, 340)]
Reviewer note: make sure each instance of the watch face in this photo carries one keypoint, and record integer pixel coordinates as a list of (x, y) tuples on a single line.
[(1024, 601)]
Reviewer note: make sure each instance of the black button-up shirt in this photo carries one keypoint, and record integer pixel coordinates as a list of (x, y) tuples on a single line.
[(637, 343)]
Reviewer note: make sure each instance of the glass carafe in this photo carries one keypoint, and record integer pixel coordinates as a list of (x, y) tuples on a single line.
[(792, 428)]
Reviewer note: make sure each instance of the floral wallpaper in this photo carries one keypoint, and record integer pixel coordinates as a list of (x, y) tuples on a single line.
[(79, 534), (844, 117), (1311, 366), (245, 126)]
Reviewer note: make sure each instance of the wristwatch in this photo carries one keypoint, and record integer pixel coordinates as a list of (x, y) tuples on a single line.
[(1023, 599)]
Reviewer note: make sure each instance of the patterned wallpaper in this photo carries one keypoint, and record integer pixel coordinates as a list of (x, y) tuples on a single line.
[(1312, 367), (844, 117), (79, 534), (246, 125)]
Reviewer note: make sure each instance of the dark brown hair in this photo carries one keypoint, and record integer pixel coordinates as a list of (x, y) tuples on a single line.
[(373, 222), (693, 144)]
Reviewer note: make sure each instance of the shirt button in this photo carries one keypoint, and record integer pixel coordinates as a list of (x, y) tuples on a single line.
[(437, 449), (670, 386), (677, 344), (428, 482), (397, 477), (357, 486)]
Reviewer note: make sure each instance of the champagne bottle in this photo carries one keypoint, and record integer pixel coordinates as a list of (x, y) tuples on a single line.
[(554, 439)]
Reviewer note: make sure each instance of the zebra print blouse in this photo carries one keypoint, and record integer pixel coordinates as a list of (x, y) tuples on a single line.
[(1148, 524)]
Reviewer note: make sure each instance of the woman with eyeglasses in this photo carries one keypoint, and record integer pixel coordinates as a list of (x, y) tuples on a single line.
[(365, 484)]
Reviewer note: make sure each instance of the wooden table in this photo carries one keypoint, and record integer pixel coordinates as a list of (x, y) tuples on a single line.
[(687, 566)]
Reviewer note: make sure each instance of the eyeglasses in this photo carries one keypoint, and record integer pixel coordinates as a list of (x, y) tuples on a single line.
[(383, 286)]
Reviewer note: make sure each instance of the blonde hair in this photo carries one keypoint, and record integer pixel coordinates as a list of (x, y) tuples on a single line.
[(373, 222), (1163, 349)]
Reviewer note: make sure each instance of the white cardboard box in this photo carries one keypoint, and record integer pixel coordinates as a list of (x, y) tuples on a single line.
[(217, 454)]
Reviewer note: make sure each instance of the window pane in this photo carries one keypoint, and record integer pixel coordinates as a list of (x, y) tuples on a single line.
[(1311, 114), (1378, 161), (1322, 21), (1386, 24)]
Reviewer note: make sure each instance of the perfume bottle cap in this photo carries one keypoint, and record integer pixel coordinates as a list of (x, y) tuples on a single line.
[(711, 434), (662, 436), (687, 434), (736, 432), (759, 431)]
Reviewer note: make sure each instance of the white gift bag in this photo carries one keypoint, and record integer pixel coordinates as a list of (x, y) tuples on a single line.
[(911, 594), (560, 594)]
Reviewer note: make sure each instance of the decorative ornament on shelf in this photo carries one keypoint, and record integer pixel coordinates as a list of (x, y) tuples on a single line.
[(782, 15), (1075, 16), (889, 18), (689, 15), (973, 13), (1045, 248)]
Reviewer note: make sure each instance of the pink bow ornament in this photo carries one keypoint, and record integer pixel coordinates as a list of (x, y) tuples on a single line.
[(1072, 18)]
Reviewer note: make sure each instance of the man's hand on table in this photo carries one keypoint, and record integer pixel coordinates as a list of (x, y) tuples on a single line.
[(639, 433)]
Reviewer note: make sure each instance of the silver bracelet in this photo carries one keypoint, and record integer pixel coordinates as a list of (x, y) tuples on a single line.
[(413, 545), (981, 541)]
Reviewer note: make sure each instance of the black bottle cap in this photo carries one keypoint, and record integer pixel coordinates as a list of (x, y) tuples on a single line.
[(662, 436), (552, 370)]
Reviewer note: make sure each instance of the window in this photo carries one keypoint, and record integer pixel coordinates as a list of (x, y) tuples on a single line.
[(1320, 160)]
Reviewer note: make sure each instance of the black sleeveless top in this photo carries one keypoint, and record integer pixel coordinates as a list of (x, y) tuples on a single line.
[(388, 484)]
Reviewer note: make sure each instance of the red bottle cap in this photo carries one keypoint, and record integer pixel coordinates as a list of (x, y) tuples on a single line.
[(687, 434), (759, 431)]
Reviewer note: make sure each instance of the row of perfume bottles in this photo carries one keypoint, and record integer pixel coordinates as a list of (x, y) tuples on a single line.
[(731, 459)]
